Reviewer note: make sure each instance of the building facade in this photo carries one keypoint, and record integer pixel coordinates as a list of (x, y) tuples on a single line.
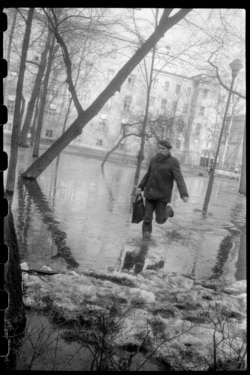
[(186, 110)]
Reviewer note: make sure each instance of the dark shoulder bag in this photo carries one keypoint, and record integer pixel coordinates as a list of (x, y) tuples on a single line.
[(138, 209)]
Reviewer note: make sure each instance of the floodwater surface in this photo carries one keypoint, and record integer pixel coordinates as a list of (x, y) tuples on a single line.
[(74, 216)]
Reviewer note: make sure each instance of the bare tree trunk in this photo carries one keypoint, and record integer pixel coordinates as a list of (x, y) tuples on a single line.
[(242, 189), (16, 120), (22, 108), (84, 117), (34, 124), (35, 91), (144, 126), (43, 98)]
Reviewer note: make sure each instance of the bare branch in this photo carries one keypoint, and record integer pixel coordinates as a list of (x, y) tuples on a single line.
[(32, 62), (221, 82), (66, 60)]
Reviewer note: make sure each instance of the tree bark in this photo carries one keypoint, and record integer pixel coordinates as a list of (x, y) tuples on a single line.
[(43, 99), (34, 124), (22, 108), (242, 189), (35, 91), (84, 117), (16, 120)]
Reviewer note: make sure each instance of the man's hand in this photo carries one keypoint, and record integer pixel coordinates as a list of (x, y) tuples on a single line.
[(185, 199), (138, 191)]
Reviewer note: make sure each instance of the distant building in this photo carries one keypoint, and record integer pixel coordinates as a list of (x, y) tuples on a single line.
[(187, 110)]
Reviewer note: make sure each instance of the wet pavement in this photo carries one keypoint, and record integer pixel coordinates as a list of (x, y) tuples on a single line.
[(75, 217)]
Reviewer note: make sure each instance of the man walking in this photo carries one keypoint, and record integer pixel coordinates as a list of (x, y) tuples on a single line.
[(157, 185)]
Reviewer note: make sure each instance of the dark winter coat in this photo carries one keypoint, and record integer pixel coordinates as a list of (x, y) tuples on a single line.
[(158, 182)]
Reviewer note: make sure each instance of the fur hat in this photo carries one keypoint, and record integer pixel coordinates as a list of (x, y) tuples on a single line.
[(166, 144)]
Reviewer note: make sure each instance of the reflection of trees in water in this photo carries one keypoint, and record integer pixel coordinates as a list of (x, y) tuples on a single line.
[(111, 199), (59, 237), (15, 319), (241, 262), (23, 217), (236, 231), (55, 181)]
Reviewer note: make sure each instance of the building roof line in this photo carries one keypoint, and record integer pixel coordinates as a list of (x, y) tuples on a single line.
[(174, 74)]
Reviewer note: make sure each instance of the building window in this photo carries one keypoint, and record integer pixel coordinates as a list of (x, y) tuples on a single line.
[(178, 144), (124, 129), (163, 103), (52, 111), (102, 124), (166, 86), (48, 133), (177, 89), (198, 129), (152, 101), (180, 124), (11, 106), (99, 142), (131, 80), (174, 106), (188, 91), (127, 103), (155, 83), (168, 49), (202, 110), (205, 93), (185, 108)]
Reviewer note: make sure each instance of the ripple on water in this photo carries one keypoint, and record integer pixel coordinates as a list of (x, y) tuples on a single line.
[(82, 216)]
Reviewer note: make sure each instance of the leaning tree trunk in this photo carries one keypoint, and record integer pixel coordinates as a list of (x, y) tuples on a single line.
[(43, 99), (84, 117), (34, 94), (16, 120)]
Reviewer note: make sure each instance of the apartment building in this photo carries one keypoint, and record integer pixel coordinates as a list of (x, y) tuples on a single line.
[(186, 109)]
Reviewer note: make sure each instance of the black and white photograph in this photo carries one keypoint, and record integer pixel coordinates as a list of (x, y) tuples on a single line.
[(124, 174)]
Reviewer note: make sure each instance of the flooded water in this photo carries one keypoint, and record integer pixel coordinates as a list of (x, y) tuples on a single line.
[(75, 217)]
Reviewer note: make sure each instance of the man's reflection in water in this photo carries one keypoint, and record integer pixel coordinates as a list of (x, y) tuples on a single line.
[(136, 260)]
